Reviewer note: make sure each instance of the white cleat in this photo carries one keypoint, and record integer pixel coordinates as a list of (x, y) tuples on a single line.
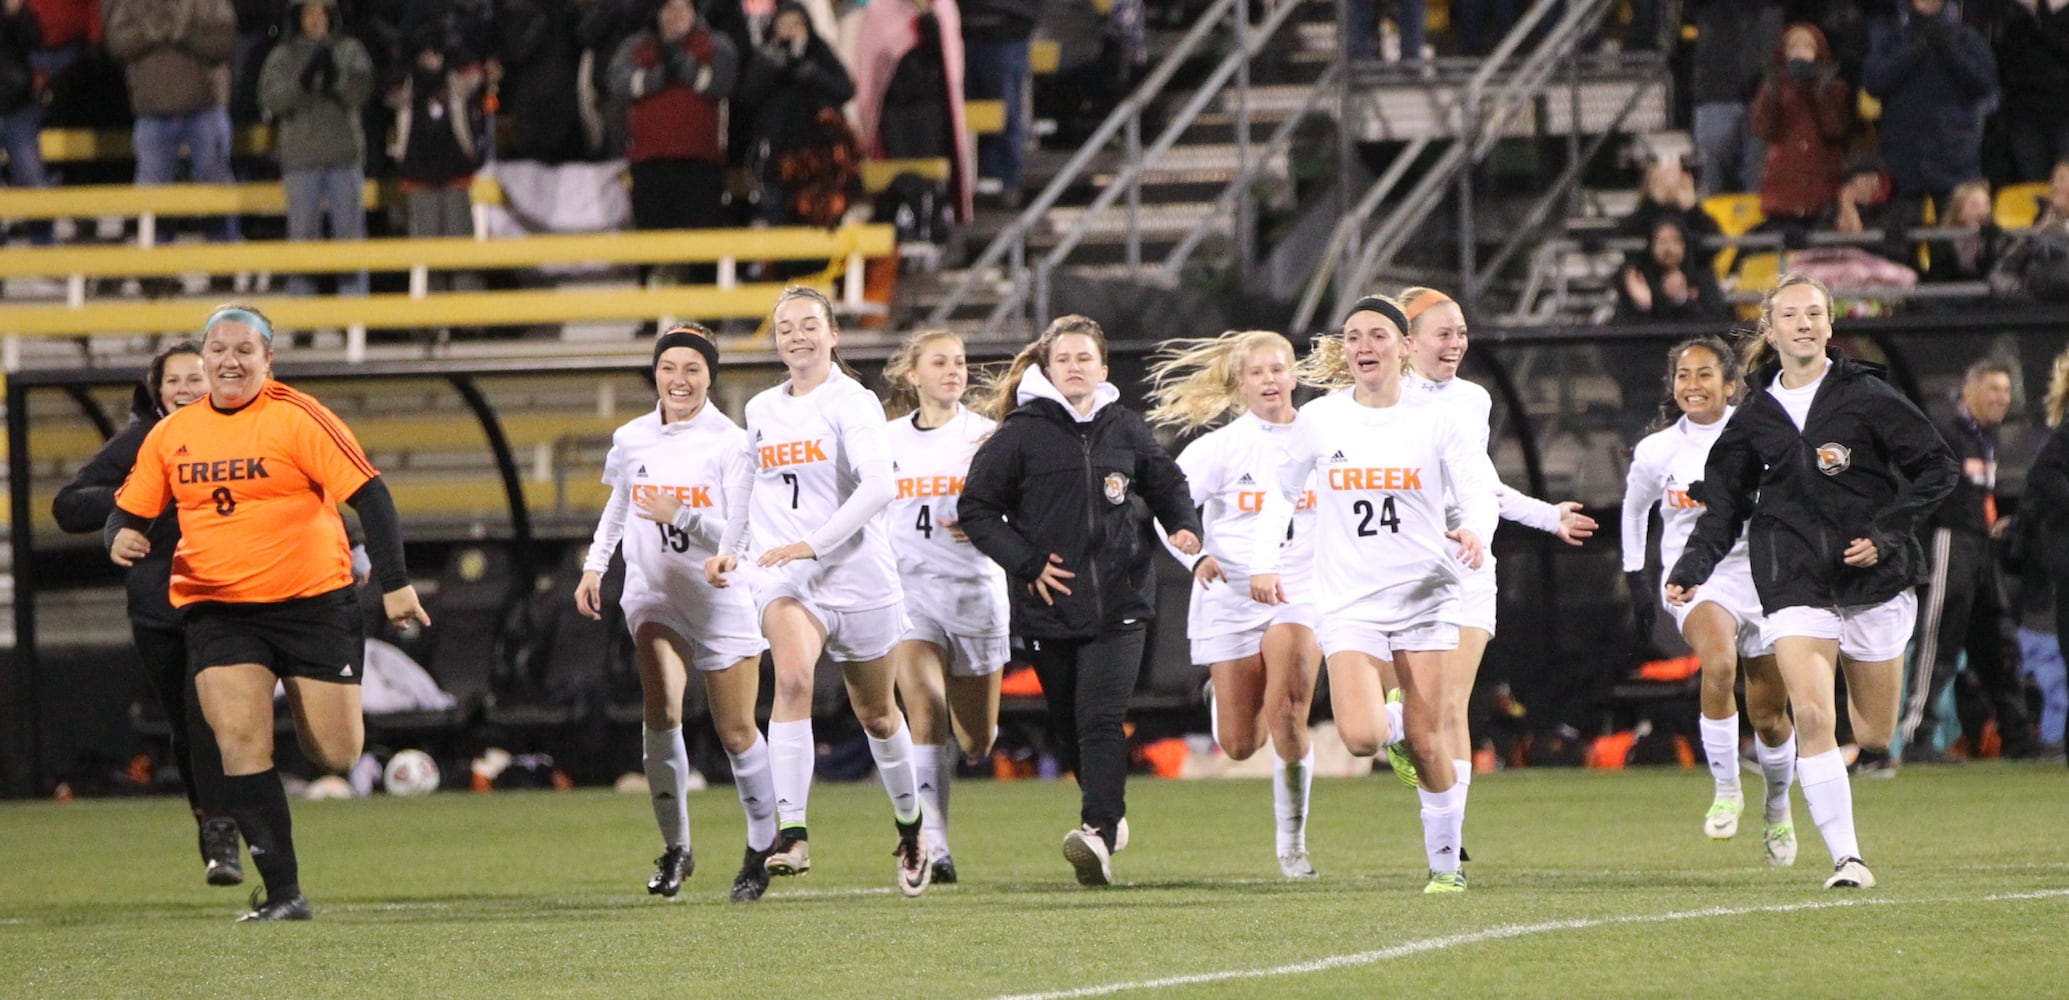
[(1294, 864), (1780, 841), (1851, 873), (1722, 821)]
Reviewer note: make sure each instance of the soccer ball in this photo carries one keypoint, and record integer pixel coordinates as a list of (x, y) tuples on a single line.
[(410, 773)]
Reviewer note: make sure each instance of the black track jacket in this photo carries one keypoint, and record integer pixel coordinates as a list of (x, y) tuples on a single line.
[(1867, 464), (1045, 483)]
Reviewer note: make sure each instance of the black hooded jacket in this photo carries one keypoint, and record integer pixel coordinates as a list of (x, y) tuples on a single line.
[(84, 504), (1867, 464), (1044, 482)]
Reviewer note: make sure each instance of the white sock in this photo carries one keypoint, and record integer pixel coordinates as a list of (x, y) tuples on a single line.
[(1290, 785), (1830, 796), (894, 765), (791, 756), (757, 791), (1462, 787), (1721, 746), (668, 783), (1778, 767), (1396, 723), (1441, 820), (933, 767)]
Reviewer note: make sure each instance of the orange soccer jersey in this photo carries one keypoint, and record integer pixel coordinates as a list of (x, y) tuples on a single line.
[(256, 492)]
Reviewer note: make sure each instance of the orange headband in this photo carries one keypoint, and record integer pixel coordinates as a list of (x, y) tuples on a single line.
[(1423, 303)]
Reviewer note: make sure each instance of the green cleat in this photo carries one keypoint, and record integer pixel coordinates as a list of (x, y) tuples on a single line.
[(1445, 882), (1722, 821), (1781, 844), (1397, 751)]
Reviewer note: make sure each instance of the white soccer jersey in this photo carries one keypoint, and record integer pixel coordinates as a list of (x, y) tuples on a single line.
[(809, 456), (1473, 408), (959, 586), (1663, 466), (1230, 471), (1381, 476), (687, 459)]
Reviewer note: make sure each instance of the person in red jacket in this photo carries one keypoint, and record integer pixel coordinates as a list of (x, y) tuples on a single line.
[(1802, 111), (673, 78)]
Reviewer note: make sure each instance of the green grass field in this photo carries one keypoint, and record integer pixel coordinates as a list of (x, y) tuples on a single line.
[(1584, 883)]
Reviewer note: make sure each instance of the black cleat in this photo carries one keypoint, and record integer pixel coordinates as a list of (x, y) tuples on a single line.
[(674, 865), (1463, 857), (944, 869), (295, 907), (753, 879), (219, 850)]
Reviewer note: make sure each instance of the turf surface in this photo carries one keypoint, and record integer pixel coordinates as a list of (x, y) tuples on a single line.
[(1582, 883)]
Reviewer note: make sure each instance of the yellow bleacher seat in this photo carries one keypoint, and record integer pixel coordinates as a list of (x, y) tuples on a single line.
[(984, 117), (1044, 56), (1758, 273), (878, 174), (1736, 215), (2019, 204)]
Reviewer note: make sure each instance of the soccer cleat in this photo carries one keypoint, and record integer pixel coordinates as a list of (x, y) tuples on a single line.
[(294, 907), (219, 849), (753, 879), (1445, 882), (1294, 864), (914, 873), (1722, 821), (1087, 853), (674, 865), (1851, 873), (943, 865), (1781, 844), (792, 854), (1397, 751), (1873, 764)]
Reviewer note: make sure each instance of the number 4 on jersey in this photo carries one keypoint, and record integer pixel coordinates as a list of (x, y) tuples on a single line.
[(925, 524), (1387, 518)]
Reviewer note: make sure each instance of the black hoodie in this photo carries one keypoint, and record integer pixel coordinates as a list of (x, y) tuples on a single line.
[(1046, 482), (84, 504), (1867, 464)]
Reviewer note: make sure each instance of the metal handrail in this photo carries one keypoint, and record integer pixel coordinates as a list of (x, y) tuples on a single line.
[(1013, 239), (1281, 140), (1126, 117), (1512, 88), (1488, 114)]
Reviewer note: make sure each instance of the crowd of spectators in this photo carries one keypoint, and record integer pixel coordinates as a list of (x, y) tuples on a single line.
[(1877, 119)]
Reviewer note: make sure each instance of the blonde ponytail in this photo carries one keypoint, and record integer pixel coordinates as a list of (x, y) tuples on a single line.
[(1194, 382), (2058, 390)]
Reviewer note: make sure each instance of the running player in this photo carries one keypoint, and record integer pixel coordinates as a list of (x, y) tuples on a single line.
[(1437, 341), (1723, 626), (803, 501), (1836, 471), (666, 470), (175, 379), (264, 576), (950, 661), (1262, 659), (1061, 496), (1388, 575)]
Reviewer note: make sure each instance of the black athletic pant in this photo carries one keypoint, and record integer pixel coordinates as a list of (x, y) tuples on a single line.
[(1087, 683), (1963, 609), (163, 655)]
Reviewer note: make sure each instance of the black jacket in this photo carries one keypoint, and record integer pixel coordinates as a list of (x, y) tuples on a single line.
[(1045, 483), (84, 504), (1867, 464), (1975, 454), (2047, 498)]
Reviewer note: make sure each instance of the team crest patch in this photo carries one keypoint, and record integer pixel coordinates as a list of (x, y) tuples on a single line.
[(1834, 458), (1116, 488)]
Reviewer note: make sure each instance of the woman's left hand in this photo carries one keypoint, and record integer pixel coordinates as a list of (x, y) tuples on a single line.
[(784, 555), (1185, 541), (657, 506), (403, 608), (1862, 553), (1469, 551)]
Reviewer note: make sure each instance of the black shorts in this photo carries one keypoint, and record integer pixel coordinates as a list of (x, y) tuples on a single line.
[(314, 637)]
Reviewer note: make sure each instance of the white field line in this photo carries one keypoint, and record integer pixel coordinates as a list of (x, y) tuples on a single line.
[(1501, 933)]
